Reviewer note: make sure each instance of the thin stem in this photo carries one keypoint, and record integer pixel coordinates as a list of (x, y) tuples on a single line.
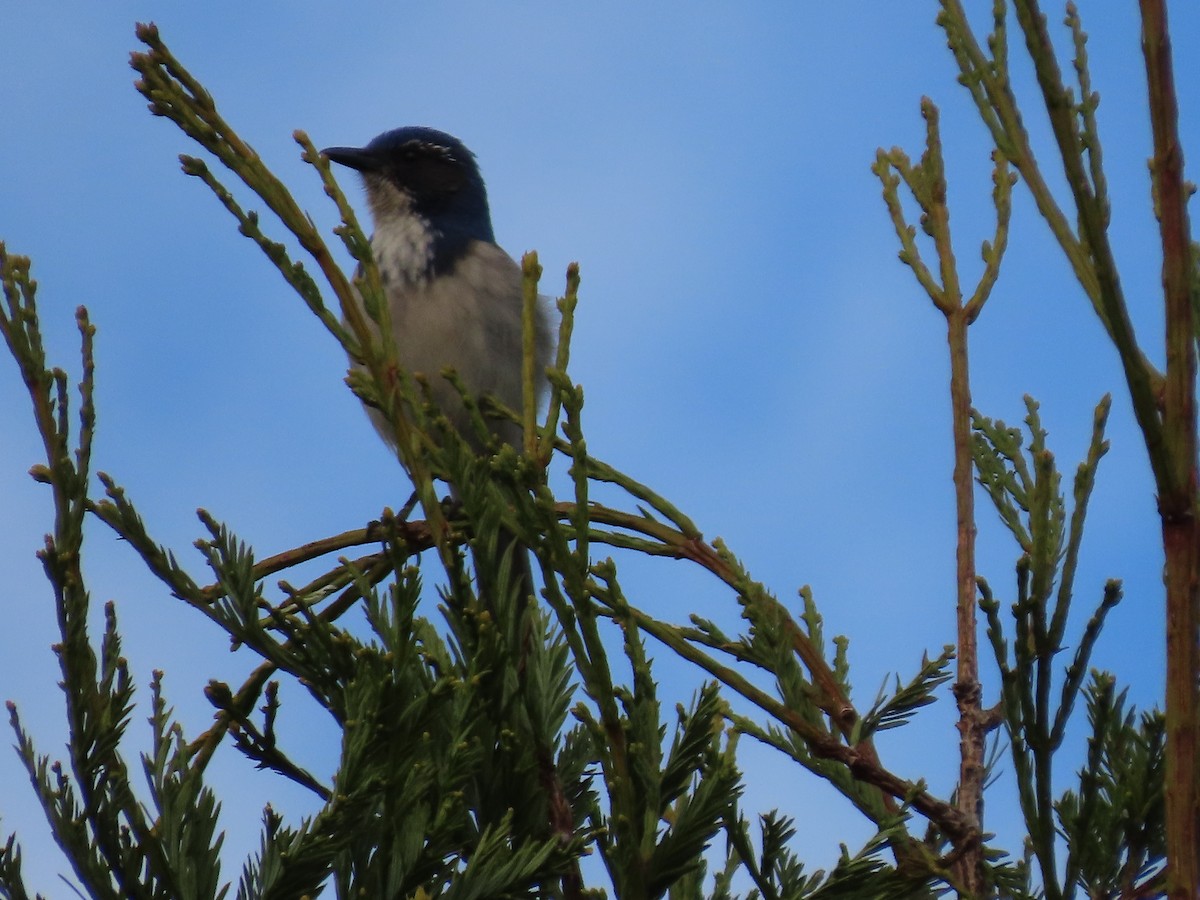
[(927, 183), (1177, 478), (967, 691)]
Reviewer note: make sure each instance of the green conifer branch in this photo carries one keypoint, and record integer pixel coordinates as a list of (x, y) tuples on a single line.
[(496, 687), (1037, 727)]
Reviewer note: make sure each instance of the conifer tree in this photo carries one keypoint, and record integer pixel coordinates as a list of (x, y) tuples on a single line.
[(492, 742)]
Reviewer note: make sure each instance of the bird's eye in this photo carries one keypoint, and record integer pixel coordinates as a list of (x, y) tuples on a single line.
[(426, 171)]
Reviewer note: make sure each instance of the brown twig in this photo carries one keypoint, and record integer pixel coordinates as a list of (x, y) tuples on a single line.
[(1176, 477), (927, 183), (413, 534)]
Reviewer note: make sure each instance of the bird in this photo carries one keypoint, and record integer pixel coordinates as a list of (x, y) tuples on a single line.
[(454, 296), (456, 300)]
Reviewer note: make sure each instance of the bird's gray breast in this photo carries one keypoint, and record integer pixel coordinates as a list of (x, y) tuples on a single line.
[(467, 319)]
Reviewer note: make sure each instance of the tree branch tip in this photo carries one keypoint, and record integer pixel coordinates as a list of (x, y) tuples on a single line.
[(146, 32), (192, 165), (220, 698), (530, 267)]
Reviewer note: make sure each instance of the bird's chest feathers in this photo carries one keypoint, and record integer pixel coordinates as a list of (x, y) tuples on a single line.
[(404, 250)]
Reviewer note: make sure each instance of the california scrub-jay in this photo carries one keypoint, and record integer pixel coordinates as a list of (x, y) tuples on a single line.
[(454, 296)]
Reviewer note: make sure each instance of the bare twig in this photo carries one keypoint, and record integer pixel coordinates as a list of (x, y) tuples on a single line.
[(927, 183), (1176, 476)]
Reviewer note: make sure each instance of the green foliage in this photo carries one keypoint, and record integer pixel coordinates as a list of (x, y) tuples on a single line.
[(1114, 824), (487, 750), (899, 708), (460, 772), (1114, 821), (459, 775)]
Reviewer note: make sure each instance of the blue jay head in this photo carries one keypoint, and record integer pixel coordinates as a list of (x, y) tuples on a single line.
[(422, 172)]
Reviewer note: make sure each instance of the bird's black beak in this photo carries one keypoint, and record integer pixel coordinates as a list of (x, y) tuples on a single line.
[(354, 158)]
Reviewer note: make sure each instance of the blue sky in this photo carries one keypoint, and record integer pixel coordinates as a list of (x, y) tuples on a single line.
[(748, 342)]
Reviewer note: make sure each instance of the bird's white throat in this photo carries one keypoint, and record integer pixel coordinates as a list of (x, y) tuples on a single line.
[(403, 248)]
